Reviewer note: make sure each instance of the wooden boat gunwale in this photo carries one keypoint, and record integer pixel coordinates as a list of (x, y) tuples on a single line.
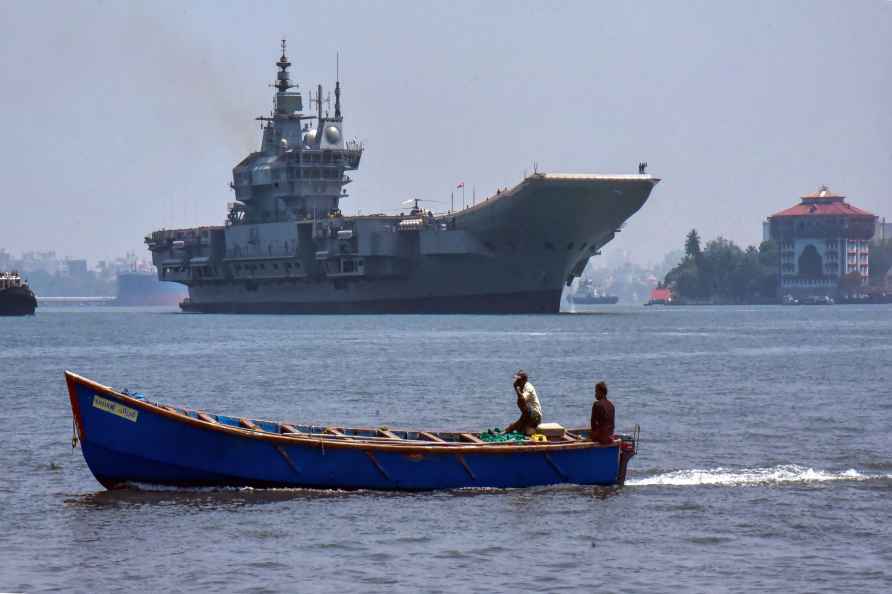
[(320, 440)]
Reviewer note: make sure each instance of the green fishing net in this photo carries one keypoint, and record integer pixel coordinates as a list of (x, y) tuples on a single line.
[(496, 435)]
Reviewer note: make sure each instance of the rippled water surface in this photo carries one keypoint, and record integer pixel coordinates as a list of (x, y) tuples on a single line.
[(765, 461)]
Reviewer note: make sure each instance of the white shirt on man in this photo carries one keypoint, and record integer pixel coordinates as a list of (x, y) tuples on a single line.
[(531, 399)]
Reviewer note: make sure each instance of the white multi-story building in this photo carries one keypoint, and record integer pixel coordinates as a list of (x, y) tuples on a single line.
[(883, 231), (820, 241)]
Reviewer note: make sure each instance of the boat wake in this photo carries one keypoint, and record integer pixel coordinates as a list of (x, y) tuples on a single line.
[(776, 475)]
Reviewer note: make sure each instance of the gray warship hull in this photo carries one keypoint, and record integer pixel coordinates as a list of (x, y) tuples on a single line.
[(287, 248), (517, 303)]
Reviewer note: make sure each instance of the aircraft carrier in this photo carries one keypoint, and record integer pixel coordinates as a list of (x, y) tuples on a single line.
[(286, 247)]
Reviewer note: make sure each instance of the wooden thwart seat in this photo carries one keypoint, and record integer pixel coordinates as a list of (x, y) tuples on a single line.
[(388, 433), (206, 417), (286, 428), (248, 424), (471, 438), (430, 436)]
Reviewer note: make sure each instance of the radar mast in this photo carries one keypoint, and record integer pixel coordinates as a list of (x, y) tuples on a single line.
[(282, 81)]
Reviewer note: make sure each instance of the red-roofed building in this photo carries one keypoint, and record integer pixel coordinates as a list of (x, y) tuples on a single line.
[(821, 240)]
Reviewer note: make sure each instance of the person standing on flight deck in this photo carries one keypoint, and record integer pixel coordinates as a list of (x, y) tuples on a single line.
[(528, 403)]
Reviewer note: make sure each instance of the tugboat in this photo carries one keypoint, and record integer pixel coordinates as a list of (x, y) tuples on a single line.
[(16, 297), (661, 296), (588, 294)]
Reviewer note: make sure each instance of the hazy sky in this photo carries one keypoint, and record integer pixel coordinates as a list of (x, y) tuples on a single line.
[(120, 118)]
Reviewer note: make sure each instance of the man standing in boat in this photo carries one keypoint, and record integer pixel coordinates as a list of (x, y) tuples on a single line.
[(528, 403), (602, 416)]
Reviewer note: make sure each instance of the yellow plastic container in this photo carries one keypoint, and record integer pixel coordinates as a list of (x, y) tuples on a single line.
[(538, 437)]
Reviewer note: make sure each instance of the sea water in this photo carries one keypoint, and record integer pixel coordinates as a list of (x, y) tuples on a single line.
[(765, 460)]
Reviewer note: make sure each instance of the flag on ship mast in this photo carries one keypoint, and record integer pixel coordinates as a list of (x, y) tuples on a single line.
[(460, 185)]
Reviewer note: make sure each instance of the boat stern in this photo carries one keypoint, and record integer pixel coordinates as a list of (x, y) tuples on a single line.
[(627, 449)]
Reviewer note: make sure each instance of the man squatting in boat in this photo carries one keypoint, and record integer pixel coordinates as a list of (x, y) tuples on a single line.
[(528, 403)]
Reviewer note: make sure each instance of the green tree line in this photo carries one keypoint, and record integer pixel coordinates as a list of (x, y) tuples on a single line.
[(880, 262), (722, 272)]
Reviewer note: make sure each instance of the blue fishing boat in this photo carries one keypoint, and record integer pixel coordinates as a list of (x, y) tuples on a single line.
[(127, 439)]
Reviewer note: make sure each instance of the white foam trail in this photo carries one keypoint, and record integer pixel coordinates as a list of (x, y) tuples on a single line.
[(784, 474)]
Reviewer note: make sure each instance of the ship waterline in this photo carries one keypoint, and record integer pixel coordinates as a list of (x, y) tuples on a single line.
[(287, 248)]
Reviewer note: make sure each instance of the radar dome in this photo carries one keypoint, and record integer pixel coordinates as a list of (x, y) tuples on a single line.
[(332, 134)]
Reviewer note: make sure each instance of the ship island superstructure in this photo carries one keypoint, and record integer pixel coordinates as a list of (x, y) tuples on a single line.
[(286, 247)]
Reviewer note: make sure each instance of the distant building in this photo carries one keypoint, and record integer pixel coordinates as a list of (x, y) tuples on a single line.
[(821, 240), (41, 261), (883, 231), (76, 267)]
